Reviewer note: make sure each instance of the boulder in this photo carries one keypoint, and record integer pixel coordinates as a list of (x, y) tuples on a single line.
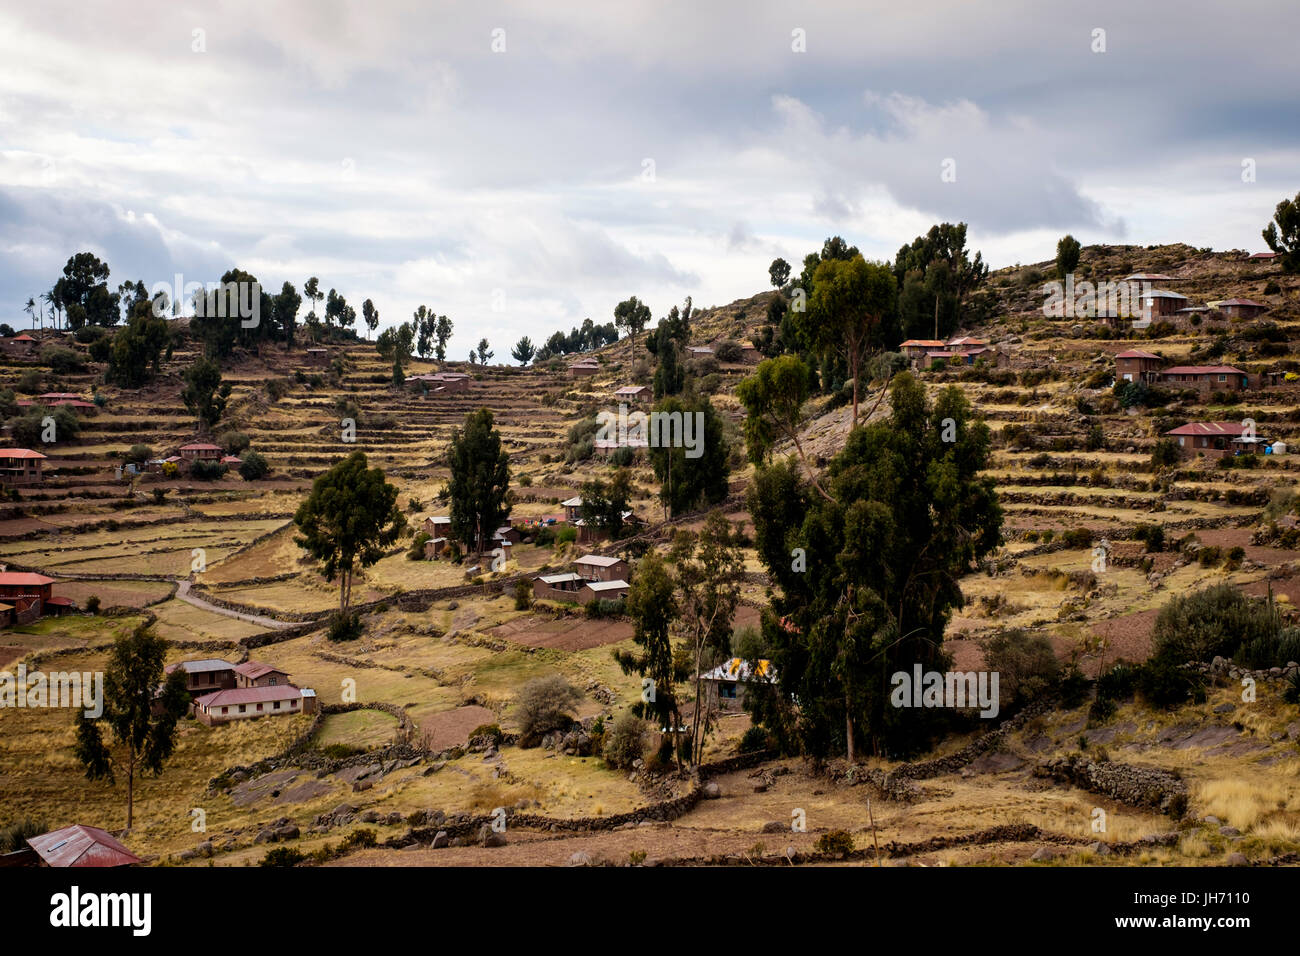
[(287, 832), (712, 791), (1236, 859), (1044, 855), (1229, 831), (440, 840), (774, 826)]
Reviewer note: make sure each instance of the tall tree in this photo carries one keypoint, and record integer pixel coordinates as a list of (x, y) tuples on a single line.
[(523, 351), (690, 476), (348, 521), (285, 310), (136, 352), (708, 567), (604, 504), (483, 352), (779, 273), (84, 292), (944, 242), (140, 718), (311, 289), (652, 606), (850, 299), (1283, 234), (442, 333), (632, 315), (773, 398), (424, 322), (1068, 251), (30, 309), (480, 480), (205, 395), (371, 316), (876, 565)]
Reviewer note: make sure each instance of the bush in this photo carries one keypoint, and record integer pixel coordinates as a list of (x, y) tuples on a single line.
[(754, 740), (31, 382), (836, 841), (1153, 535), (545, 704), (14, 837), (138, 454), (1025, 663), (61, 360), (523, 595), (276, 389), (207, 470), (92, 604), (1216, 621), (1095, 439), (360, 839), (492, 731), (566, 535), (416, 551), (233, 442), (1273, 650), (282, 856), (1166, 454), (625, 741), (604, 607), (344, 627), (1077, 538), (254, 467), (729, 351), (1161, 683)]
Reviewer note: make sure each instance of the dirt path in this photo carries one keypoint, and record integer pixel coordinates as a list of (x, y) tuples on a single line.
[(183, 593)]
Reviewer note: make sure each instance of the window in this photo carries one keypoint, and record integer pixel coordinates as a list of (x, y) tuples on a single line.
[(242, 708), (259, 708), (1223, 378), (277, 706), (273, 680), (727, 690), (225, 710)]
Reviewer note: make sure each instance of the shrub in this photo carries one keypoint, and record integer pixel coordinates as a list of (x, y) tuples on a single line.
[(605, 607), (729, 351), (1161, 683), (1272, 650), (1153, 535), (344, 627), (14, 837), (1291, 694), (754, 739), (92, 604), (207, 470), (254, 467), (492, 731), (1077, 538), (1165, 454), (836, 841), (159, 495), (282, 856), (137, 454), (1025, 663), (545, 704), (276, 389), (233, 442), (31, 382), (523, 596), (61, 360), (416, 551), (1212, 622), (1095, 439), (625, 741), (360, 839), (566, 535)]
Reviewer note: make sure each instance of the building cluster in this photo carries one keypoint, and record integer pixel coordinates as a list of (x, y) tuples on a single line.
[(595, 577), (26, 596), (923, 353), (221, 691)]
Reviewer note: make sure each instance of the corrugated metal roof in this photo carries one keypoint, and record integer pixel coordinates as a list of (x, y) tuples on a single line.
[(80, 845), (203, 666), (1226, 429), (598, 560), (741, 670), (250, 695)]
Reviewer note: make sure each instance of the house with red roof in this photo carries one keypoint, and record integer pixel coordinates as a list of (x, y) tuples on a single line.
[(1137, 365), (201, 451), (27, 593), (1242, 308), (243, 703), (1205, 378), (20, 467), (257, 674), (1214, 439)]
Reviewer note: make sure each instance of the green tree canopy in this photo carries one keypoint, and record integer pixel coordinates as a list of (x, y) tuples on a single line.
[(348, 520), (140, 720), (480, 480), (205, 395), (1283, 234)]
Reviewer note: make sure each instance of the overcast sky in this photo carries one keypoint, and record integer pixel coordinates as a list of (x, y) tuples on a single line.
[(661, 148)]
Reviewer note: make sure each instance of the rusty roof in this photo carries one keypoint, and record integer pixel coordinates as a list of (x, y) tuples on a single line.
[(80, 845)]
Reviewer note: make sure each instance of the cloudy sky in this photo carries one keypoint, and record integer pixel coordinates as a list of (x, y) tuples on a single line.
[(521, 166)]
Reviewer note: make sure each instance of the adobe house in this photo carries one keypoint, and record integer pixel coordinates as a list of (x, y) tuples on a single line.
[(917, 348), (437, 525), (1206, 378), (723, 688), (205, 676), (557, 587), (20, 467), (584, 369), (1211, 439), (318, 356), (604, 447), (634, 393), (508, 534), (20, 345), (572, 509), (749, 353), (201, 451), (699, 350), (440, 383), (241, 703), (602, 591), (1263, 257), (1137, 365), (599, 567), (1242, 308), (1158, 302), (257, 674), (435, 548), (28, 592)]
